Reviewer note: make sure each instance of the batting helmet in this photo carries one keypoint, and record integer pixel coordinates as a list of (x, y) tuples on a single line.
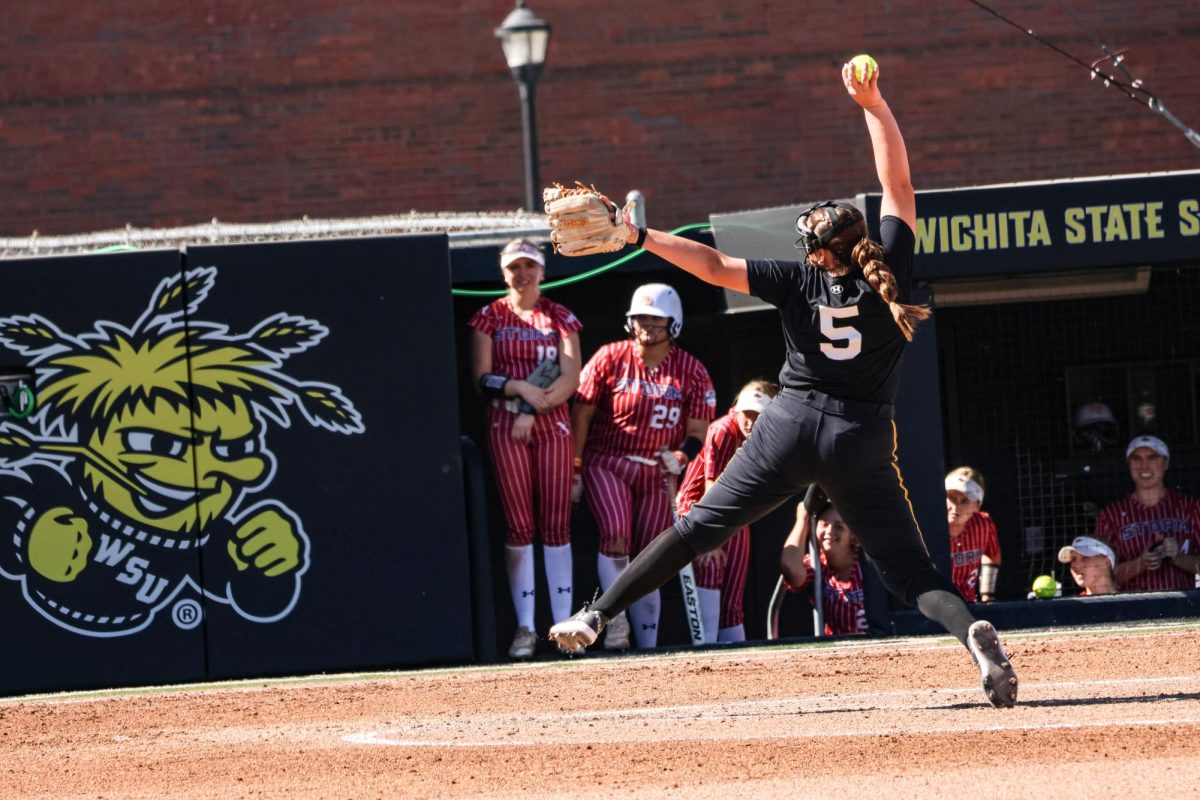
[(1095, 426), (657, 300)]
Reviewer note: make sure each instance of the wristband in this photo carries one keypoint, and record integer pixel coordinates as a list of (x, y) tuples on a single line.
[(641, 238), (988, 574), (526, 408), (492, 385), (691, 447)]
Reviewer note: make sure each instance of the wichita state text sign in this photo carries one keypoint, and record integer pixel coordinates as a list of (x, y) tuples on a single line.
[(1058, 225)]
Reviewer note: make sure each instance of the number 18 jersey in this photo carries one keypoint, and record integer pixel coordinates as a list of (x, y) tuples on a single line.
[(639, 411)]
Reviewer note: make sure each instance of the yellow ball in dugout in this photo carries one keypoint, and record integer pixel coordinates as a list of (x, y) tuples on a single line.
[(864, 66), (1045, 586)]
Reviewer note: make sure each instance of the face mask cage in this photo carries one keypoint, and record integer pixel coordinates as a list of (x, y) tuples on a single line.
[(840, 217)]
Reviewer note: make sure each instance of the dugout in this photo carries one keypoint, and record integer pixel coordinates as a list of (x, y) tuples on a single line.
[(1049, 296)]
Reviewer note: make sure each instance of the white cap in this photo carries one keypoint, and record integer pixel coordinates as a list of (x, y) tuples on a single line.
[(521, 249), (1152, 442), (1087, 546), (959, 482), (752, 399)]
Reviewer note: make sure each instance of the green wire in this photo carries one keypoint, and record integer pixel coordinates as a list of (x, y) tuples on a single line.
[(583, 276)]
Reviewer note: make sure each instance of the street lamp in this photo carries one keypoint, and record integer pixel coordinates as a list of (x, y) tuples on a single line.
[(524, 38)]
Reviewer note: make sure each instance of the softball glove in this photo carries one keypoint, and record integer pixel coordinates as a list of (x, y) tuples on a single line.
[(583, 221)]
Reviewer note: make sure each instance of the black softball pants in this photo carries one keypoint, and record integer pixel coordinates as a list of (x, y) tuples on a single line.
[(806, 437)]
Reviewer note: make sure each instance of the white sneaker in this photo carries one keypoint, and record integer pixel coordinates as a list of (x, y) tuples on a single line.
[(999, 678), (573, 635), (617, 637), (523, 644)]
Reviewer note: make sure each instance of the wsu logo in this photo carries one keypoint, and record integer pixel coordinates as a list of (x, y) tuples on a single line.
[(148, 448)]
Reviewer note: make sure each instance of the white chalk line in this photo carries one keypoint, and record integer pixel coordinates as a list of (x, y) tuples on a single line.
[(379, 739), (783, 709)]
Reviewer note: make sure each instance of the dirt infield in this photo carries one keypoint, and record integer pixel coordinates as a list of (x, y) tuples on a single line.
[(1103, 713)]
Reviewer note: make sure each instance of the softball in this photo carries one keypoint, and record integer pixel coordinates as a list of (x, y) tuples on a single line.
[(864, 67), (1045, 586)]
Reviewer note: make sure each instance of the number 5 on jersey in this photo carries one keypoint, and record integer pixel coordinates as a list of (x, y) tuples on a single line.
[(845, 341)]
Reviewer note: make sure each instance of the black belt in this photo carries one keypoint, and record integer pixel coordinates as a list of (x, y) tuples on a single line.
[(834, 405)]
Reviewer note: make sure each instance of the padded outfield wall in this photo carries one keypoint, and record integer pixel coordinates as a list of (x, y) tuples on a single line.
[(230, 472)]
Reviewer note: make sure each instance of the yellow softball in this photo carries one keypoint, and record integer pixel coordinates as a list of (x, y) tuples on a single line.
[(864, 67)]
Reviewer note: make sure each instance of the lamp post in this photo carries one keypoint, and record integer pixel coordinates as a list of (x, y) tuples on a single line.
[(524, 38)]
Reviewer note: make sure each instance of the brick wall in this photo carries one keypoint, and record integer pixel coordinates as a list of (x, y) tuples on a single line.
[(136, 111)]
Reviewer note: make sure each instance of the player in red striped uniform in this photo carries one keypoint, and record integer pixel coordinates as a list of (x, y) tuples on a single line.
[(1155, 531), (643, 407), (721, 573), (529, 431), (974, 544), (841, 573)]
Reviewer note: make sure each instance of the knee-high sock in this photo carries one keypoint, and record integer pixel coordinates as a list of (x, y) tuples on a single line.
[(710, 612), (736, 633), (658, 563), (609, 568), (559, 571), (948, 610), (520, 582), (643, 618)]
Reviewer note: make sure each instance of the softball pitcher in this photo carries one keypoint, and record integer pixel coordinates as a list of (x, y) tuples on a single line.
[(529, 435), (721, 573), (846, 319), (640, 414)]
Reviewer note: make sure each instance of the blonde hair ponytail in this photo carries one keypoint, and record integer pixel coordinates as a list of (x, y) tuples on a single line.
[(868, 255)]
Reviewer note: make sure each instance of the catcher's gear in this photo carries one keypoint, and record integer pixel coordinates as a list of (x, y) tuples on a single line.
[(583, 221)]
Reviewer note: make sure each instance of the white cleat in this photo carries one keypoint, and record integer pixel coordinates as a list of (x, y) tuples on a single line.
[(575, 634), (999, 678)]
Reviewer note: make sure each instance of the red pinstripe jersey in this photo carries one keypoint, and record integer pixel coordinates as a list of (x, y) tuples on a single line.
[(519, 346), (1131, 527), (723, 439), (639, 411), (842, 601), (967, 550)]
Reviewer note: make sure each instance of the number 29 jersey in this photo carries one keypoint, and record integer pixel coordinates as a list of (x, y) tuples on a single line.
[(639, 411), (840, 335)]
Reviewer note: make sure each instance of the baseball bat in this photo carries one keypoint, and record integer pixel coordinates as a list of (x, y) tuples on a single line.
[(811, 505), (774, 607), (687, 576), (814, 555)]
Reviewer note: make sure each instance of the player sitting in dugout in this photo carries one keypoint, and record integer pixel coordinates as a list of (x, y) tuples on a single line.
[(1155, 531), (1093, 565), (841, 574), (974, 545)]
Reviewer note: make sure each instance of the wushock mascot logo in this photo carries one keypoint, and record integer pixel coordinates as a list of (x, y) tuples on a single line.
[(147, 448)]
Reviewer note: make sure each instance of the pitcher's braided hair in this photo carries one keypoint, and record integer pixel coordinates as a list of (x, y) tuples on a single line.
[(851, 247)]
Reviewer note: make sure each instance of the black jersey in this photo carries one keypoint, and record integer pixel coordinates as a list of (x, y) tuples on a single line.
[(840, 335)]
